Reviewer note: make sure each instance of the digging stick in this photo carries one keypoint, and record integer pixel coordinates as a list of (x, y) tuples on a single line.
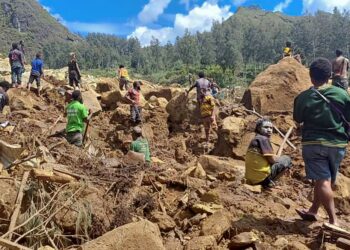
[(279, 153), (86, 128)]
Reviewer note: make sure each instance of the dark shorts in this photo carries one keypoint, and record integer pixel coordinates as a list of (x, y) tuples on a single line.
[(283, 163), (73, 78), (207, 122), (322, 162), (16, 74), (123, 83), (33, 77), (75, 138), (340, 82), (135, 112)]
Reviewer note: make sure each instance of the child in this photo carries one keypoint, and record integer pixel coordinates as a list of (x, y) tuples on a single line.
[(133, 95), (140, 144), (261, 167), (287, 51), (207, 106), (36, 72)]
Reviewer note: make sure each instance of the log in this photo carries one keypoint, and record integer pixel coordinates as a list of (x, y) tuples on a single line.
[(280, 150), (11, 245), (52, 176), (18, 203), (343, 243)]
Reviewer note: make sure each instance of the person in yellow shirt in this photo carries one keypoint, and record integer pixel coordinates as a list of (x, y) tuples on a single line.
[(261, 165), (123, 78), (287, 51), (207, 108)]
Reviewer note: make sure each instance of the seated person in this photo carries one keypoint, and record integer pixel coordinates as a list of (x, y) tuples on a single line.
[(261, 166), (140, 144)]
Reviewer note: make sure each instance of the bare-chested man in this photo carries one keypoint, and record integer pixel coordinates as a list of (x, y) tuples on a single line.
[(340, 67)]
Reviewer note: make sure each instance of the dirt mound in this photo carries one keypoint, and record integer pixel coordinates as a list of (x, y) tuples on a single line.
[(274, 89)]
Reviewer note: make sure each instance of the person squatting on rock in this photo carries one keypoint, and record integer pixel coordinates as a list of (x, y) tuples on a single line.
[(340, 67), (324, 136), (16, 59), (261, 165), (36, 73), (77, 115), (123, 76), (140, 144), (74, 71), (207, 109), (133, 95)]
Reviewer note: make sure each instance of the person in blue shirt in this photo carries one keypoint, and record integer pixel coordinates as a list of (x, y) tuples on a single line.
[(37, 72)]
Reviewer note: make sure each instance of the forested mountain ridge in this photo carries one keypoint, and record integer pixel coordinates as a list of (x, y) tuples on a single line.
[(27, 20)]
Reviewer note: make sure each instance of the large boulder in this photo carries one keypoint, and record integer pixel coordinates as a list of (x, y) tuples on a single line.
[(167, 93), (182, 107), (136, 235), (112, 98), (91, 102), (274, 89), (105, 85), (20, 99), (7, 201), (216, 224), (202, 243)]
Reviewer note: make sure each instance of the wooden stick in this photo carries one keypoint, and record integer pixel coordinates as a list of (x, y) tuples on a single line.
[(86, 128), (70, 174), (278, 131), (17, 162), (18, 204), (11, 245), (52, 126), (279, 153)]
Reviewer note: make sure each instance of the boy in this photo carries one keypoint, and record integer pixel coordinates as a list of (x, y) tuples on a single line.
[(133, 95), (261, 167), (140, 144), (324, 137), (123, 78), (36, 72), (207, 108)]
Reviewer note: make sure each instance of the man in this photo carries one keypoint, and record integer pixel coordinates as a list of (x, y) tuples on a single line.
[(201, 86), (4, 98), (77, 115), (133, 95), (324, 138), (16, 59), (287, 51), (261, 166), (340, 67), (36, 72), (140, 144), (74, 74), (207, 109), (123, 78)]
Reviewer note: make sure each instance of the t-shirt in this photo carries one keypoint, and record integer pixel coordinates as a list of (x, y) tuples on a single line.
[(287, 51), (134, 95), (37, 66), (16, 58), (340, 67), (202, 84), (76, 113), (207, 106), (322, 125), (141, 146), (123, 73), (257, 167)]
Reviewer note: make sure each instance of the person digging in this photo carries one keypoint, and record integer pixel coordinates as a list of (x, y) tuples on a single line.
[(261, 165)]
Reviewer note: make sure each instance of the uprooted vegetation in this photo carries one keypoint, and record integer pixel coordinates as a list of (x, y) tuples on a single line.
[(193, 196)]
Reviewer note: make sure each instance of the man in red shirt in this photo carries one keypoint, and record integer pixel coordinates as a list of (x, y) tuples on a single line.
[(133, 95)]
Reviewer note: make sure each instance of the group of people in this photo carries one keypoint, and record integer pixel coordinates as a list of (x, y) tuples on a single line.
[(322, 112)]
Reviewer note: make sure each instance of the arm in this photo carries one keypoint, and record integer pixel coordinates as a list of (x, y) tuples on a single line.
[(271, 159), (192, 87), (78, 69), (128, 97), (22, 59), (297, 111), (10, 61)]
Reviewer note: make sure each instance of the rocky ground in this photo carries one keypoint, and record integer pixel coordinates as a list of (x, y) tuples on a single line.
[(193, 196)]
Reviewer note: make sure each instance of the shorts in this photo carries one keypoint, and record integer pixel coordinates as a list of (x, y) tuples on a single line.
[(75, 138), (73, 78), (340, 82), (36, 78), (207, 122), (322, 162)]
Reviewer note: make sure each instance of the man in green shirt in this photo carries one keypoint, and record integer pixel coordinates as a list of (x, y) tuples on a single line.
[(324, 137), (76, 114), (140, 144)]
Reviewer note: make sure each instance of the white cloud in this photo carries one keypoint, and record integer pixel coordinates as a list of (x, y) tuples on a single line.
[(326, 5), (153, 10), (199, 19), (238, 2), (47, 8), (282, 5)]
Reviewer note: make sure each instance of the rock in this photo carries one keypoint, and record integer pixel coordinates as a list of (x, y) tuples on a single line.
[(216, 224), (342, 194), (105, 85), (232, 125), (164, 221), (209, 208), (136, 235), (182, 107), (280, 243), (9, 152), (243, 240), (201, 243), (111, 98), (297, 246), (7, 200), (173, 244), (91, 102), (166, 93), (153, 99), (121, 114), (214, 165), (196, 171), (257, 189), (20, 99), (162, 102), (211, 196)]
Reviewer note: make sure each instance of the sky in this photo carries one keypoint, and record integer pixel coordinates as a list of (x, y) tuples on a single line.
[(165, 19)]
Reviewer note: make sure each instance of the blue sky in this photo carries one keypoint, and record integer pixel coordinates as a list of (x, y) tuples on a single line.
[(165, 19)]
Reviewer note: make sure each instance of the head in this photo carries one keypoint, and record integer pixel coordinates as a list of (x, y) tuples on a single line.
[(288, 44), (338, 52), (121, 66), (76, 96), (264, 127), (21, 42), (72, 55), (201, 74), (137, 85), (38, 55), (14, 46), (136, 132), (320, 71)]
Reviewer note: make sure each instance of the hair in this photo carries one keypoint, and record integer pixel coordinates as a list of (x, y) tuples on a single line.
[(121, 66), (14, 46), (38, 55), (338, 52), (320, 70), (5, 85), (76, 95), (259, 124), (72, 54), (137, 84), (201, 74), (288, 44), (137, 130)]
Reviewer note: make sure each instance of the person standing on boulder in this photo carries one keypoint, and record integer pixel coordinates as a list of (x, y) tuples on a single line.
[(140, 144), (261, 165), (36, 73), (77, 114), (16, 59), (287, 51), (133, 95), (123, 78), (74, 71), (324, 136), (340, 67), (201, 85)]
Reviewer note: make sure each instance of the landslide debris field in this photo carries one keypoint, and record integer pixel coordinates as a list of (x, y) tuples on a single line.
[(58, 196)]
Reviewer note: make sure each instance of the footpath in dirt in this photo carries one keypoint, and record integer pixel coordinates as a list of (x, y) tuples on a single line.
[(57, 196)]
